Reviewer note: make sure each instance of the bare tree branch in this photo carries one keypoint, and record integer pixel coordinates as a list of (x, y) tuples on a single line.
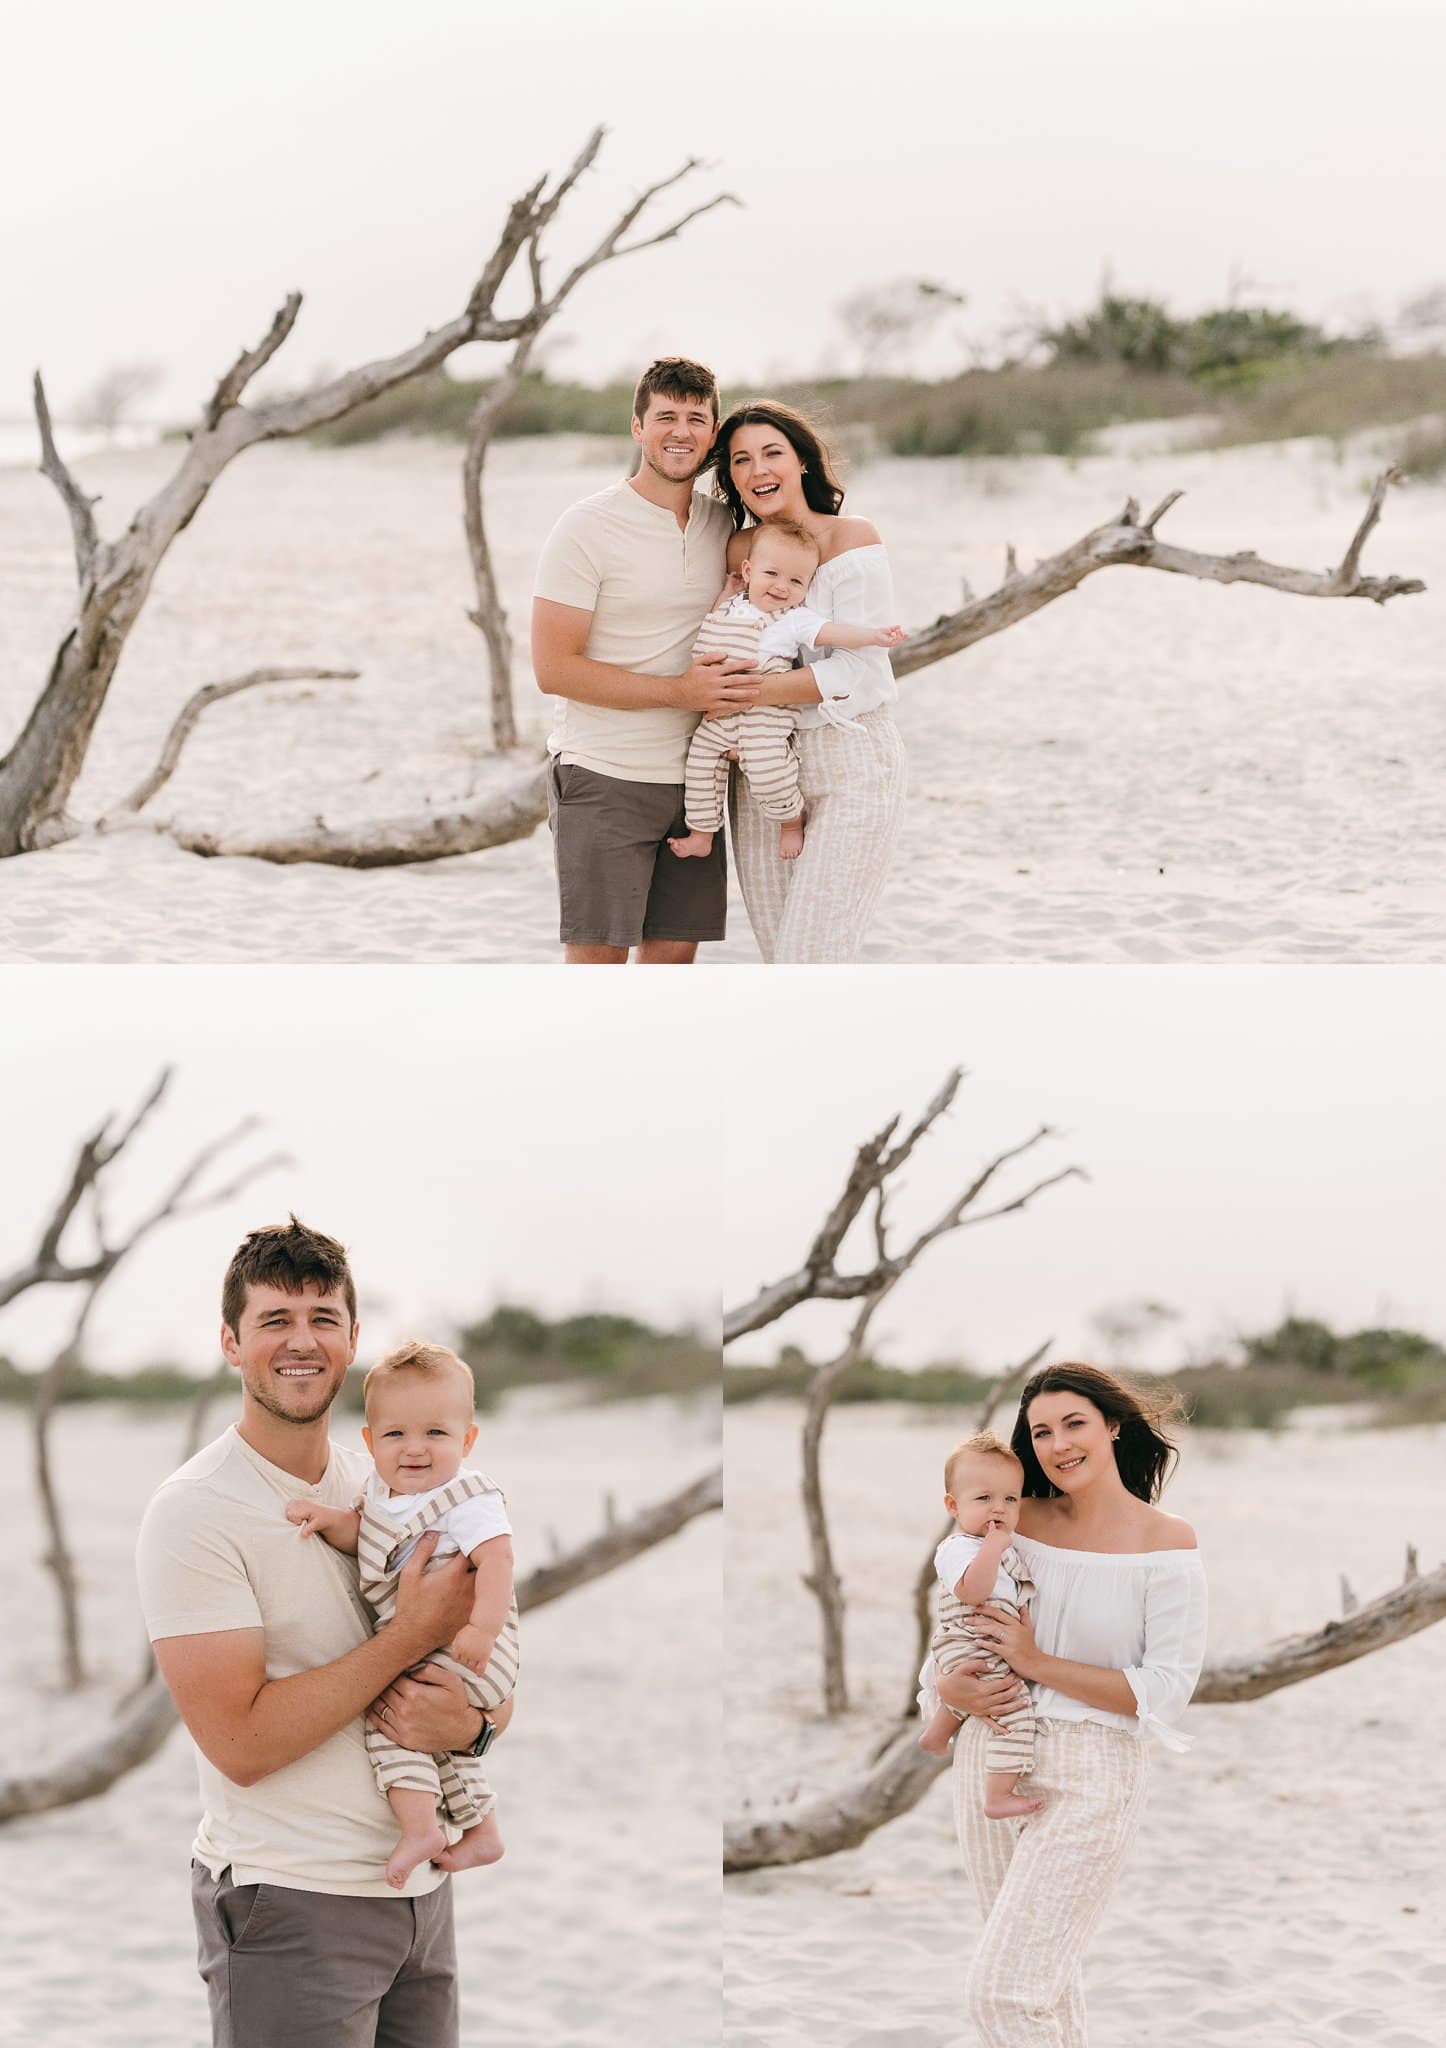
[(150, 1716), (619, 1542), (80, 508), (228, 391), (507, 811), (47, 1267), (900, 1776), (190, 712), (1125, 543)]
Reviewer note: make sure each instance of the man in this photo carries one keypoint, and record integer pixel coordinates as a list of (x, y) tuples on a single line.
[(269, 1655), (625, 580)]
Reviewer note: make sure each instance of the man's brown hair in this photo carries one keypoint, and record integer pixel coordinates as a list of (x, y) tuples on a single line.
[(675, 377), (420, 1360), (288, 1256), (984, 1444)]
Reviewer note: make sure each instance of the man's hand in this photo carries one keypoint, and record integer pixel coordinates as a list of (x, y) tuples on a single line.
[(428, 1709), (433, 1606), (976, 1691), (716, 685)]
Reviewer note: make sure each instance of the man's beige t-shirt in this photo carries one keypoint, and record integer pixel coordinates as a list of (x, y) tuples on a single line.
[(649, 586), (217, 1552)]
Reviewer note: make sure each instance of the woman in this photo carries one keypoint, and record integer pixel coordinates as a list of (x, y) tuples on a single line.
[(769, 461), (1113, 1652)]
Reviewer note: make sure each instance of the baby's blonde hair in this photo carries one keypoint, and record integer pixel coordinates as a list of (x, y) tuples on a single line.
[(983, 1444), (419, 1360)]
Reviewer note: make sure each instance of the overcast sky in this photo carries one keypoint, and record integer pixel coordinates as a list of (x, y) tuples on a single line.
[(1256, 1138), (171, 171), (470, 1134)]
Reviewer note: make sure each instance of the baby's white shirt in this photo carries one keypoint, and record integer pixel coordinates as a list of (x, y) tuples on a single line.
[(954, 1557), (787, 633), (463, 1527)]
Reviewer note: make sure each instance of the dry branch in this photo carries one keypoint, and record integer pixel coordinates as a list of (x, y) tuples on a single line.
[(898, 1779), (40, 770), (875, 1164), (150, 1716), (80, 508), (493, 818), (1125, 542), (190, 712)]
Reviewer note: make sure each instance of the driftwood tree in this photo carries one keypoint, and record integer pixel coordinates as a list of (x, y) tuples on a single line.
[(1124, 542), (82, 1202), (148, 1716), (114, 577), (489, 615), (876, 1163), (898, 1773)]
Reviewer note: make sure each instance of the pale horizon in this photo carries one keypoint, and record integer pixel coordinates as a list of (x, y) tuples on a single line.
[(207, 174)]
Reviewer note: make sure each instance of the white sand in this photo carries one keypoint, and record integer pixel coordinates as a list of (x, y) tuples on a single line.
[(1288, 1887), (1152, 769), (601, 1922)]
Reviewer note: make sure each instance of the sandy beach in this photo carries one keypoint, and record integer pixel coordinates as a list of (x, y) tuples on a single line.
[(1287, 1888), (601, 1922), (1152, 769)]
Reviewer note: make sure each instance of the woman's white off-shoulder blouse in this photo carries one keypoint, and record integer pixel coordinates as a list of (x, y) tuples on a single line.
[(1140, 1612), (854, 589)]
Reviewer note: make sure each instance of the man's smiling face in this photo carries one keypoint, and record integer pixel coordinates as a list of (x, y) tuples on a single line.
[(291, 1350), (675, 436)]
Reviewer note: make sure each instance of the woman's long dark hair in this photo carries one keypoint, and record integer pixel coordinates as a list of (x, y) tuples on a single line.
[(822, 491), (1144, 1455)]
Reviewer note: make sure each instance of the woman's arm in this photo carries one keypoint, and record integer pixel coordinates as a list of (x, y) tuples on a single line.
[(1012, 1638)]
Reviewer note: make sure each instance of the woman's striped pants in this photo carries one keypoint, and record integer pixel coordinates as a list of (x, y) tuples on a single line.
[(1042, 1882), (817, 908)]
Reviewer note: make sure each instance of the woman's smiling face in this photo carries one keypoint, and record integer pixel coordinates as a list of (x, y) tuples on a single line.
[(765, 470), (1072, 1440)]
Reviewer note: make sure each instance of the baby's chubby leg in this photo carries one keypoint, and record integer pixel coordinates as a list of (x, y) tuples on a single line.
[(482, 1843), (422, 1839), (1001, 1801), (940, 1732)]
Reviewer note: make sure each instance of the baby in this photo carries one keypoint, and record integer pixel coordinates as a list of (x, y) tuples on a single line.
[(977, 1568), (767, 623), (419, 1429)]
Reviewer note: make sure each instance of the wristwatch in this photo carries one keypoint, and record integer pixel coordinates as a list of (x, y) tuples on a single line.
[(485, 1739)]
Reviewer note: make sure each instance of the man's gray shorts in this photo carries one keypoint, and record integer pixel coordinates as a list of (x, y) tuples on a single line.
[(288, 1969), (617, 878)]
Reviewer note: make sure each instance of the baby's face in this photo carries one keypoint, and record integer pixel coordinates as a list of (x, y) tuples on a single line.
[(986, 1493), (418, 1432), (777, 573)]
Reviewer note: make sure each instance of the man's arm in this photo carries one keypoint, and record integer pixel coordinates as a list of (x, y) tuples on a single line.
[(249, 1726), (563, 669)]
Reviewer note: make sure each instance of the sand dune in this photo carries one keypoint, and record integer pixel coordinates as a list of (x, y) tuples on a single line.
[(606, 1904), (1287, 1889), (1150, 770)]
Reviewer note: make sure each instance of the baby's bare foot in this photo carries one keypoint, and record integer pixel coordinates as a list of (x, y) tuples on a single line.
[(790, 839), (412, 1850), (697, 846), (1008, 1805), (482, 1844)]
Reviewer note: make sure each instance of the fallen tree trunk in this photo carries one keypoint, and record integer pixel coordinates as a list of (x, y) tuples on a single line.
[(901, 1775), (149, 1717), (492, 818)]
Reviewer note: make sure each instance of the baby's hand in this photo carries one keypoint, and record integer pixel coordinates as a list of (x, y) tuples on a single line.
[(733, 587), (890, 636), (472, 1646), (310, 1515)]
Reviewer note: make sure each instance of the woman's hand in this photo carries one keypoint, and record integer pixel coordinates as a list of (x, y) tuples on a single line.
[(980, 1693), (1010, 1637)]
